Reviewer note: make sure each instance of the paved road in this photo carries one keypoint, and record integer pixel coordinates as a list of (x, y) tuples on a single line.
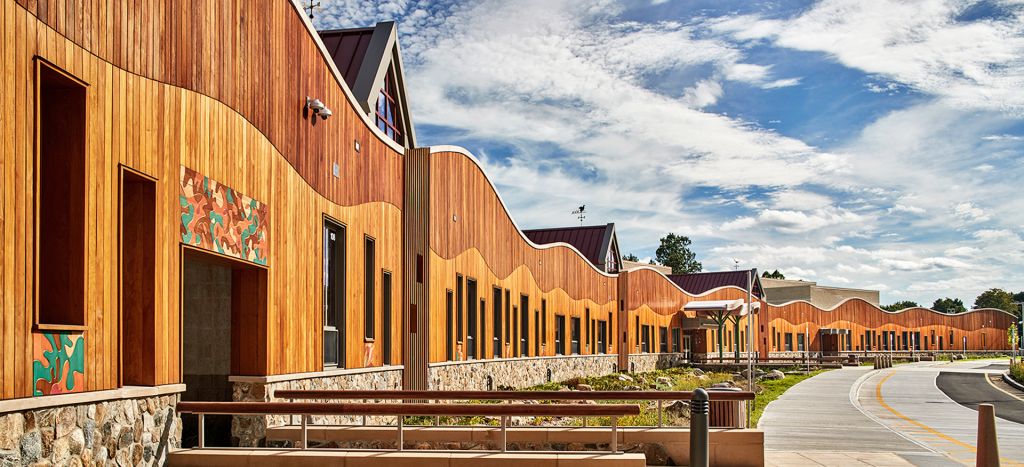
[(971, 389), (907, 400), (816, 421)]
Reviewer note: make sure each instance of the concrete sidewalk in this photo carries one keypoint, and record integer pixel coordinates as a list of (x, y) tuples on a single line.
[(815, 423)]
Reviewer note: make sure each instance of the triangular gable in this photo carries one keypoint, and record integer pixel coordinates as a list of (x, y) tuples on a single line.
[(383, 61)]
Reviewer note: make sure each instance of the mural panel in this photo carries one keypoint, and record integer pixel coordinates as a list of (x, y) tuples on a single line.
[(217, 218), (58, 363)]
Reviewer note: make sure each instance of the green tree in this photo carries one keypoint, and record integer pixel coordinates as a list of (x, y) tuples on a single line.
[(675, 253), (630, 257), (949, 305), (900, 305), (996, 298), (773, 275), (1018, 297)]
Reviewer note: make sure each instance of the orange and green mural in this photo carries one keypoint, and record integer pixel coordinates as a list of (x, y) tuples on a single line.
[(217, 218), (58, 364)]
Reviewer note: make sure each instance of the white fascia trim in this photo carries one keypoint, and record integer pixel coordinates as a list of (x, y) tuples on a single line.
[(479, 166), (341, 81)]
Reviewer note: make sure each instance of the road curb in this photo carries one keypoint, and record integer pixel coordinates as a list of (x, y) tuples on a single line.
[(1012, 382)]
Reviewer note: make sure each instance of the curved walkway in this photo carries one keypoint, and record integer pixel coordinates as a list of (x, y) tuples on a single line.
[(816, 423)]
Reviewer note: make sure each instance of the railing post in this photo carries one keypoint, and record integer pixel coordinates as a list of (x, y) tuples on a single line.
[(615, 434), (401, 432), (202, 431), (305, 432), (659, 413), (699, 408), (504, 433), (988, 448), (584, 421)]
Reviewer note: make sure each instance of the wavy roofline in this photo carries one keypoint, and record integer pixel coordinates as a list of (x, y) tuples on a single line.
[(340, 80), (753, 298), (834, 307), (465, 152)]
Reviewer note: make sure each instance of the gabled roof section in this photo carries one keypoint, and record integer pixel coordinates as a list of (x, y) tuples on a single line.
[(597, 243), (701, 282), (366, 56)]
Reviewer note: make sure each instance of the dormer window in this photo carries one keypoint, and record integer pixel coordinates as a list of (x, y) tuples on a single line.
[(387, 110)]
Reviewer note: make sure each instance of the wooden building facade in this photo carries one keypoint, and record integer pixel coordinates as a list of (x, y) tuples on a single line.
[(149, 148)]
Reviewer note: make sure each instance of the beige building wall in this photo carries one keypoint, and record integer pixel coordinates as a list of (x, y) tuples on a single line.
[(779, 291), (627, 265)]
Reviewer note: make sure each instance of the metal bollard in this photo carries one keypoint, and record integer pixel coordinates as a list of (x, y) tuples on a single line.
[(988, 448), (699, 408)]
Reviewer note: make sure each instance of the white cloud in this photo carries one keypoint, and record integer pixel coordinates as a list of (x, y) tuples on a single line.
[(706, 92), (898, 208), (969, 212)]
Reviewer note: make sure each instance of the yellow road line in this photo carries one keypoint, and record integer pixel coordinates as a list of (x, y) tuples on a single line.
[(881, 400)]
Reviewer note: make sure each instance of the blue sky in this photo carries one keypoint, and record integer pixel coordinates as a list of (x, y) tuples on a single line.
[(861, 144)]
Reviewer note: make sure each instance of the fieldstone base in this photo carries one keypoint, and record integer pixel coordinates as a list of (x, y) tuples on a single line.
[(251, 431), (119, 432), (516, 373), (639, 363)]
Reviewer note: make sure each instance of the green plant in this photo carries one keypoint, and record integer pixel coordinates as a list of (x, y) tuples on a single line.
[(1017, 371)]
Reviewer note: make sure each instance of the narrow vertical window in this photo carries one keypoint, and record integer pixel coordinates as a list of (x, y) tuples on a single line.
[(482, 339), (544, 321), (61, 196), (559, 334), (385, 290), (387, 114), (636, 328), (497, 339), (524, 325), (334, 294), (515, 333), (471, 315), (662, 339), (450, 322), (369, 279), (460, 329), (536, 333), (508, 318), (575, 336)]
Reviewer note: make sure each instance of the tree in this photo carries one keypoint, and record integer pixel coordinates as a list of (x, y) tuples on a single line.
[(675, 253), (773, 275), (949, 305), (996, 298), (900, 305), (630, 257), (1018, 297)]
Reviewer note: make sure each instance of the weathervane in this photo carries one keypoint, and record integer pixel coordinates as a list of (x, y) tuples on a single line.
[(311, 6), (581, 213)]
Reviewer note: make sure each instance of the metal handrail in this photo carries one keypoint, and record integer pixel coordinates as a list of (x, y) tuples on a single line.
[(306, 409)]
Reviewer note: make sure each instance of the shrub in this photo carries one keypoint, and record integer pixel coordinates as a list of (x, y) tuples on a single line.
[(1017, 371)]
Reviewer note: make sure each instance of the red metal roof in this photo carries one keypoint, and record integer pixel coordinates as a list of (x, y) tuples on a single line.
[(700, 282), (588, 239), (348, 48)]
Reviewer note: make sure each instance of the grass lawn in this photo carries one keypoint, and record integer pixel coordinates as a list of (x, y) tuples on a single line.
[(772, 389)]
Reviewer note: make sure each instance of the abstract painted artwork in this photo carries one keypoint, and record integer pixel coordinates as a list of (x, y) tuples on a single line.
[(217, 218), (58, 363)]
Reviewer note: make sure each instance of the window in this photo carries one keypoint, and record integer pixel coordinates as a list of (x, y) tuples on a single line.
[(676, 340), (608, 329), (471, 314), (496, 303), (524, 325), (334, 294), (482, 340), (369, 277), (800, 342), (385, 289), (663, 339), (952, 342), (514, 352), (138, 275), (861, 346), (645, 339), (917, 340), (636, 326), (586, 319), (984, 345), (559, 334), (387, 115), (941, 347), (449, 332), (536, 332), (575, 336), (460, 329), (61, 195), (602, 336), (906, 344), (775, 339), (508, 317), (544, 321), (789, 342)]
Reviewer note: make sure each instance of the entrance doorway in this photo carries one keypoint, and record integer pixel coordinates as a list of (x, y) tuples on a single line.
[(223, 309)]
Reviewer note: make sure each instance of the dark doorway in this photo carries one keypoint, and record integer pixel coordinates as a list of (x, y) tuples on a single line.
[(223, 308), (138, 278)]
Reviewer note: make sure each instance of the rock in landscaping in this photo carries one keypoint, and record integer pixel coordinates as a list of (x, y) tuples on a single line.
[(631, 388), (623, 377), (724, 384), (664, 380), (677, 408), (584, 387), (775, 374), (698, 372)]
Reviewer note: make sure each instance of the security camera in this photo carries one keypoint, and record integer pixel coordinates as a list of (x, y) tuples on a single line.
[(315, 105), (325, 113)]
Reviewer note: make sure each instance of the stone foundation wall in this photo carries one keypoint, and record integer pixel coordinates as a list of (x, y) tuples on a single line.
[(251, 430), (118, 432), (516, 373), (639, 363)]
